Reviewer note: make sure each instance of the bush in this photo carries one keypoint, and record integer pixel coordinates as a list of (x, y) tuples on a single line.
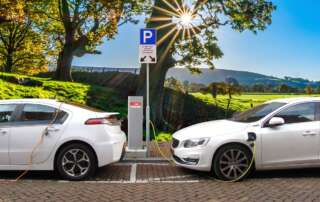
[(13, 86)]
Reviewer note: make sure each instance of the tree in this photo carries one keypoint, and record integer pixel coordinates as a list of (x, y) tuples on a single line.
[(174, 84), (283, 88), (308, 90), (77, 27), (232, 88), (192, 46), (213, 89), (22, 49), (186, 86), (11, 10)]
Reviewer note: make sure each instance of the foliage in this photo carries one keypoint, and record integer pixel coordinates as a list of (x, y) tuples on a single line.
[(11, 86), (164, 137), (11, 10), (174, 84), (22, 48)]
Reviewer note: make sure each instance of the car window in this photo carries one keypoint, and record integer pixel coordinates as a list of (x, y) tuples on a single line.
[(257, 113), (298, 113), (6, 112), (41, 114)]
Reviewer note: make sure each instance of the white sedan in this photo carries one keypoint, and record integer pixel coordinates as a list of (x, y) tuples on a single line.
[(43, 134), (286, 133)]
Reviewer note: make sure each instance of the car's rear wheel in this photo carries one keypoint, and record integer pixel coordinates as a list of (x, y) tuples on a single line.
[(76, 162), (232, 162)]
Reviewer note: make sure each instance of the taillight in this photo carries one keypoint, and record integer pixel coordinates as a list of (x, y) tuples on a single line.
[(94, 121), (111, 120)]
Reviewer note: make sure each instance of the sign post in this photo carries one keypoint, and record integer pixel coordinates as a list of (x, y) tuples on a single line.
[(148, 55)]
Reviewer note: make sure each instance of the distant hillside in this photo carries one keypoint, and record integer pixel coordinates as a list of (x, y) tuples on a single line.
[(243, 77)]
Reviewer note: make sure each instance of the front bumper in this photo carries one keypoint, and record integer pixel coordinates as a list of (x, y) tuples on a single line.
[(197, 158)]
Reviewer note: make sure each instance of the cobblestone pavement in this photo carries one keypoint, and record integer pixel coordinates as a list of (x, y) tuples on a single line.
[(162, 183)]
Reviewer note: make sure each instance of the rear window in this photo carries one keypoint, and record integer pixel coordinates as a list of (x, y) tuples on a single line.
[(42, 114)]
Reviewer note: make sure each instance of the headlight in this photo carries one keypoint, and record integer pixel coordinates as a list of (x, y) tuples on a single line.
[(196, 142)]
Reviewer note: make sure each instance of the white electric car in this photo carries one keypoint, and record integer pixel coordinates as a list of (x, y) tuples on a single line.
[(43, 134), (286, 133)]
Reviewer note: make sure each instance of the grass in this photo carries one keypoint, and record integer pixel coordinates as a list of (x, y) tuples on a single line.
[(13, 86), (244, 101)]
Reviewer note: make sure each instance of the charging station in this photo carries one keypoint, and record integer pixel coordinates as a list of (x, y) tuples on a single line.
[(135, 148)]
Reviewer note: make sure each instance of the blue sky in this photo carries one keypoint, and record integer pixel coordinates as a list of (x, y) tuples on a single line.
[(289, 47)]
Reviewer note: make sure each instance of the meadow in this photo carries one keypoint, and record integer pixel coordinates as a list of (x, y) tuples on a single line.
[(245, 100)]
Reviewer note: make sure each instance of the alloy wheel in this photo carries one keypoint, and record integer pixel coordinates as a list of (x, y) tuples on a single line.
[(233, 163), (76, 162)]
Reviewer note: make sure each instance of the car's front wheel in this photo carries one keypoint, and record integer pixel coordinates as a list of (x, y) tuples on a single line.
[(76, 162), (232, 162)]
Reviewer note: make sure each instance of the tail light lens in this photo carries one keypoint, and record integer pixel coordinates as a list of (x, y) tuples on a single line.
[(111, 120)]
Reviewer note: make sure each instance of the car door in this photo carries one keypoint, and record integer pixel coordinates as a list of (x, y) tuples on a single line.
[(31, 133), (6, 118), (295, 142)]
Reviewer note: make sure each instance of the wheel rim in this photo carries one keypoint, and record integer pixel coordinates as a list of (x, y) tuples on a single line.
[(75, 162), (233, 163)]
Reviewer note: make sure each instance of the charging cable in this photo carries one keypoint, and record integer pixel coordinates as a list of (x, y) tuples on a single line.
[(158, 147)]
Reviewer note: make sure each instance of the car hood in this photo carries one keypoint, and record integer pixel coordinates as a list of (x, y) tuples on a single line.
[(210, 129)]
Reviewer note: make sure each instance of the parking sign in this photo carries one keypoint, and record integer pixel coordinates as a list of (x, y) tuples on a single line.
[(148, 47)]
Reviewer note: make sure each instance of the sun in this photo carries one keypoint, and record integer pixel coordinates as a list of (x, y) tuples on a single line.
[(185, 20), (180, 18)]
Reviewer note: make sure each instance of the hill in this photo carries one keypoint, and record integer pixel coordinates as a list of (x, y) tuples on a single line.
[(243, 77)]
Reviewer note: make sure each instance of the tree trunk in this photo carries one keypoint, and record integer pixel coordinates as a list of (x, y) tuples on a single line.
[(63, 71), (158, 71), (8, 63)]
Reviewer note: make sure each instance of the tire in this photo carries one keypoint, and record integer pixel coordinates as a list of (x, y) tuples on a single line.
[(231, 163), (76, 162)]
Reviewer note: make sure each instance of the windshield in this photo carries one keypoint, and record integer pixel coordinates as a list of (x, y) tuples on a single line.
[(257, 113)]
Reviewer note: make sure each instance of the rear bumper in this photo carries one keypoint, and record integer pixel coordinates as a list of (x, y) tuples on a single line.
[(109, 152)]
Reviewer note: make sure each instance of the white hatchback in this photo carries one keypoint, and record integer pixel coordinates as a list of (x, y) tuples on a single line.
[(43, 134), (286, 133)]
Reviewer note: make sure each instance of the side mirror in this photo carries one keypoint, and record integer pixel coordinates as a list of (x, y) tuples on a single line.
[(276, 121)]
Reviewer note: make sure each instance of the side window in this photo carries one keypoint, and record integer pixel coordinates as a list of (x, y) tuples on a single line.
[(299, 113), (6, 112), (41, 114)]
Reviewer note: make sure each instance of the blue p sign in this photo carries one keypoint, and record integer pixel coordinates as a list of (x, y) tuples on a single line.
[(148, 37)]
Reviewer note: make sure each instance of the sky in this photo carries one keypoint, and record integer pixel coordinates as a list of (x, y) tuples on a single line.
[(290, 46)]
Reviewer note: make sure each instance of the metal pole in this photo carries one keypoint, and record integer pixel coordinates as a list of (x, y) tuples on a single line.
[(147, 112)]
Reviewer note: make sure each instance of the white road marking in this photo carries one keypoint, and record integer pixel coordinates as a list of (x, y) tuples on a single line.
[(140, 182), (145, 163), (133, 173)]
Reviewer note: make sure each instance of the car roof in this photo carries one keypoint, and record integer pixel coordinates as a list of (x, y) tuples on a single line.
[(30, 100), (51, 102), (295, 100)]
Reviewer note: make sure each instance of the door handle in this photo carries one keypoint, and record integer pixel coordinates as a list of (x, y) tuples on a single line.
[(3, 131), (309, 133), (51, 130)]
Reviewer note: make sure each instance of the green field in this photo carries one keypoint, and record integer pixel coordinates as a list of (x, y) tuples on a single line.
[(244, 101)]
